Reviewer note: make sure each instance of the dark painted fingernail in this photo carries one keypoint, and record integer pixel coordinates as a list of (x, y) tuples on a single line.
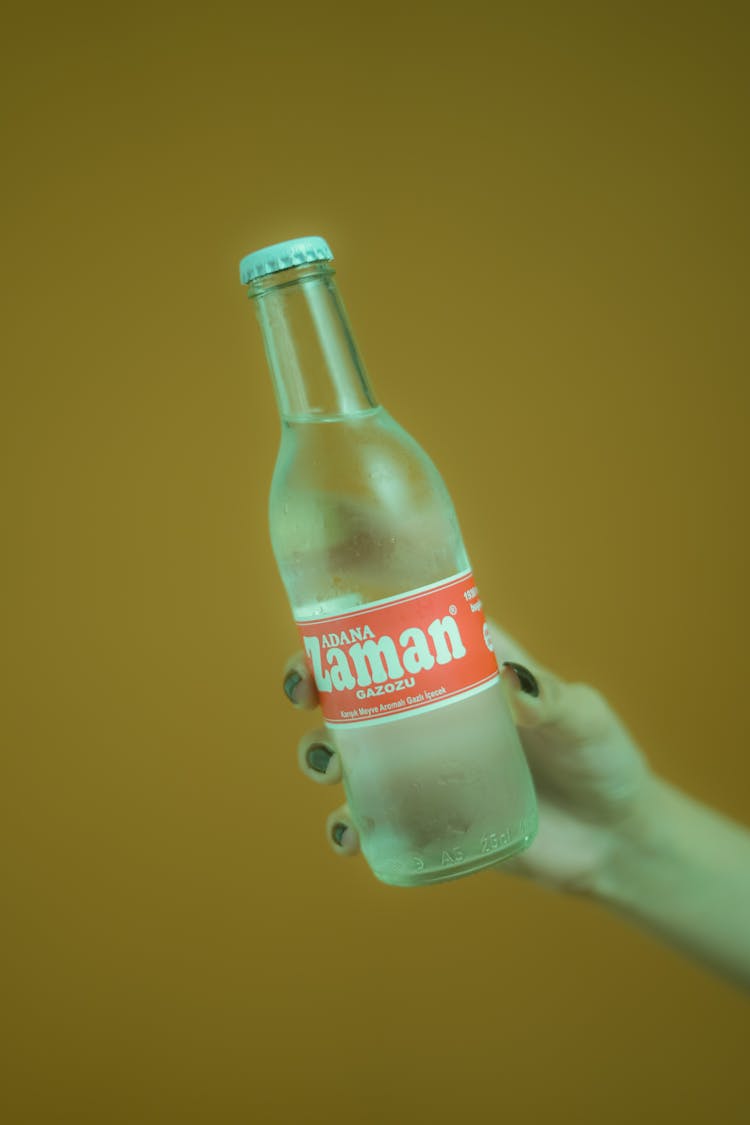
[(318, 758), (525, 678), (290, 684), (338, 831)]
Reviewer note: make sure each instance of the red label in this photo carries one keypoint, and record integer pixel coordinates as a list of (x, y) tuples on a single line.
[(420, 650)]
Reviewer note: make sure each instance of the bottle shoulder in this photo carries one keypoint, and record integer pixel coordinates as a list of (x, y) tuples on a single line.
[(354, 449), (363, 504)]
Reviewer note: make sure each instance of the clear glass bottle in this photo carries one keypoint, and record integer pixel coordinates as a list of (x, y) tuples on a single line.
[(366, 537)]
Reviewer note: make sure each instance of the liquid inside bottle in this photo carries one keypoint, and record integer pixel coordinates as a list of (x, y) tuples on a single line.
[(359, 514)]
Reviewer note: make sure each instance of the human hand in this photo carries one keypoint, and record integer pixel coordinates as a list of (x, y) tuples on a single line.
[(591, 779)]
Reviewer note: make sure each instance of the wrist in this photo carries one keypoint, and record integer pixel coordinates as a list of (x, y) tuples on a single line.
[(638, 847), (682, 871)]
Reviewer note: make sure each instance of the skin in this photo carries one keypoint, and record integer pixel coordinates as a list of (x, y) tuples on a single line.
[(609, 827)]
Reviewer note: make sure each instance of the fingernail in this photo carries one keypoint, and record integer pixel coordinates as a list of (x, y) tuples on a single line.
[(337, 832), (290, 684), (318, 758), (525, 678)]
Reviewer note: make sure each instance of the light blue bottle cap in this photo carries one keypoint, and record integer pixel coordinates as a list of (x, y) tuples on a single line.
[(283, 256)]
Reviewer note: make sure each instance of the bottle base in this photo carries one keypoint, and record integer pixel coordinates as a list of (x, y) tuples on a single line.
[(444, 874)]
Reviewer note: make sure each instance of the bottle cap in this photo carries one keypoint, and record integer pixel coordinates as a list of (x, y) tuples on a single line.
[(283, 256)]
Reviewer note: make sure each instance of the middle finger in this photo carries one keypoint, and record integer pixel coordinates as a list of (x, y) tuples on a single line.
[(317, 757)]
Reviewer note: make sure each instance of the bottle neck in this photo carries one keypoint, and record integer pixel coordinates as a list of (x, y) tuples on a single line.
[(316, 368)]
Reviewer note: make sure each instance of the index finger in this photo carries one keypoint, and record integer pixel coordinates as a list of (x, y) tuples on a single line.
[(299, 686)]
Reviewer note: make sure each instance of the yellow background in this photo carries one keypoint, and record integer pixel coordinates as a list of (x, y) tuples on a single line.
[(540, 221)]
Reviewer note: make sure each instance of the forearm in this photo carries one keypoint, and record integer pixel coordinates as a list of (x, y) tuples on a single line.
[(683, 871)]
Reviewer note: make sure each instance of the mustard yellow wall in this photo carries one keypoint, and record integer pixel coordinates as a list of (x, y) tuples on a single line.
[(539, 214)]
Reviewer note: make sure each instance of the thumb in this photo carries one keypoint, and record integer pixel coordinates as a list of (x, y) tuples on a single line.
[(541, 701)]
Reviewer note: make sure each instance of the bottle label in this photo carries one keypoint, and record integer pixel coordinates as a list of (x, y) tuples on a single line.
[(419, 651)]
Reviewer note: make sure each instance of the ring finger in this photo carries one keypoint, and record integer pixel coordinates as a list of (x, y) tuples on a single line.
[(341, 833)]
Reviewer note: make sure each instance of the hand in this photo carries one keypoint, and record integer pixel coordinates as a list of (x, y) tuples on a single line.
[(590, 777)]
